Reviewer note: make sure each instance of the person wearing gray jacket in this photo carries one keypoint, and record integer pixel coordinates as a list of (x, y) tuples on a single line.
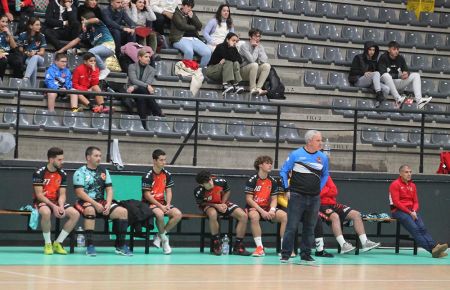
[(141, 76)]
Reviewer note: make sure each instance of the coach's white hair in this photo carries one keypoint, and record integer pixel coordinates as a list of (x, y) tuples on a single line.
[(310, 134)]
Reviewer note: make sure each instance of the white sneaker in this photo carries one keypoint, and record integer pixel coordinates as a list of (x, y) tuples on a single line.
[(423, 102), (167, 250), (400, 101), (157, 241), (104, 73), (369, 245), (347, 247)]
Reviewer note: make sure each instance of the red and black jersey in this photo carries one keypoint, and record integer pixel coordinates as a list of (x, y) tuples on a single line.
[(51, 182), (214, 195), (262, 189), (156, 184)]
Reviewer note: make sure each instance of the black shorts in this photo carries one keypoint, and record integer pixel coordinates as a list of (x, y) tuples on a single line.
[(341, 209), (80, 205), (230, 208)]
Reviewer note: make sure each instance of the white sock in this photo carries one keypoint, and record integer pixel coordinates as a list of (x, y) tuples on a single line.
[(163, 236), (281, 244), (47, 238), (363, 239), (319, 244), (62, 236), (340, 240), (258, 241)]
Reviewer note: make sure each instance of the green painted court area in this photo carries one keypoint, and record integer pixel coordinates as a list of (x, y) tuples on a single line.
[(191, 256)]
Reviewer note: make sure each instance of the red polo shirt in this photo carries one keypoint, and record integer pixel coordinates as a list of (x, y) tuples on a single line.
[(403, 196)]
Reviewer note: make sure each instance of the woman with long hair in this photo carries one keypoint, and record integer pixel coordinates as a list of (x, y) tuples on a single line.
[(143, 16), (218, 27)]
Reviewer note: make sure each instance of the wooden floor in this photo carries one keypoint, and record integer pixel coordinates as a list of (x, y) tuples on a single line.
[(202, 277)]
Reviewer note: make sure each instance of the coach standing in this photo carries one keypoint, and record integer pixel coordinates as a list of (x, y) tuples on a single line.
[(309, 173)]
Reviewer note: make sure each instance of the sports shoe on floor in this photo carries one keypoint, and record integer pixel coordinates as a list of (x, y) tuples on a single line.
[(443, 255), (157, 241), (124, 251), (238, 89), (90, 251), (347, 247), (227, 89), (399, 102), (438, 249), (76, 109), (323, 254), (369, 245), (259, 252), (167, 250), (103, 74), (48, 249), (423, 102), (217, 247), (284, 260), (306, 258), (58, 249), (239, 249)]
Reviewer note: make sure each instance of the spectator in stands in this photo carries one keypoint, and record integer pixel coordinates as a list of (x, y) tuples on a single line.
[(217, 28), (225, 63), (92, 6), (58, 77), (86, 78), (141, 76), (254, 67), (8, 51), (32, 43), (101, 40), (25, 11), (395, 74), (119, 24), (143, 16), (336, 213), (404, 207), (49, 184), (184, 33), (164, 10), (61, 22), (364, 72)]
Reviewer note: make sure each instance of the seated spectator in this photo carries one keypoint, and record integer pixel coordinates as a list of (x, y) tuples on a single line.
[(336, 213), (184, 33), (225, 63), (164, 10), (86, 78), (217, 28), (364, 72), (102, 42), (119, 24), (141, 76), (25, 11), (92, 6), (143, 16), (58, 77), (32, 43), (61, 22), (405, 206), (254, 67), (8, 51), (395, 74)]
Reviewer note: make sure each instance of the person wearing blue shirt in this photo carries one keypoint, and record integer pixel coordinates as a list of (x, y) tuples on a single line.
[(58, 77), (8, 53), (308, 171)]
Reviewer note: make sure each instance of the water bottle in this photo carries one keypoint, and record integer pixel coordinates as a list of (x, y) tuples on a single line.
[(327, 148), (17, 4), (80, 238), (225, 245)]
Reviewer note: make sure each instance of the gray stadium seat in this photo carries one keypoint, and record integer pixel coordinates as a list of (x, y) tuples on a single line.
[(166, 48), (309, 53), (164, 101), (433, 40), (264, 130), (47, 120), (183, 126), (429, 19), (82, 123), (10, 118), (420, 62), (265, 25), (428, 87), (315, 79), (101, 122), (304, 29), (283, 5), (386, 15), (339, 80), (441, 138), (406, 17), (325, 9), (303, 7), (343, 11), (74, 60), (333, 55), (414, 138), (366, 13), (263, 109), (289, 133), (164, 71), (287, 51), (389, 105), (23, 85), (186, 104), (398, 137), (350, 55), (245, 5), (443, 89), (48, 59), (215, 130), (284, 27), (162, 127), (350, 33), (213, 106), (239, 108), (327, 31), (374, 136), (406, 113), (341, 106), (240, 131), (414, 39), (365, 104), (440, 64), (431, 108), (444, 20), (371, 34), (264, 5), (132, 124), (393, 35)]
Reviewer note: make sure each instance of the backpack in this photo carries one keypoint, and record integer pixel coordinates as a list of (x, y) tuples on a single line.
[(274, 86), (444, 166)]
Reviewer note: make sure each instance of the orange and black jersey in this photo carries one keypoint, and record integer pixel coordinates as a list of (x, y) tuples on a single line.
[(214, 195), (262, 189), (51, 182), (156, 184)]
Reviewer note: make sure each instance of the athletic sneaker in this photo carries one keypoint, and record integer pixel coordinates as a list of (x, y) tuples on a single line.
[(259, 252), (58, 249), (306, 258), (124, 251), (347, 247), (157, 241), (369, 245), (217, 247), (238, 89), (48, 249), (438, 249), (103, 74), (423, 102), (239, 249), (443, 254), (227, 89), (323, 254), (284, 260), (399, 102), (90, 251), (167, 250)]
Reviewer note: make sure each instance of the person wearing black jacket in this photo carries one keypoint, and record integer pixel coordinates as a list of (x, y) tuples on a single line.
[(61, 22), (364, 74), (224, 64), (395, 74)]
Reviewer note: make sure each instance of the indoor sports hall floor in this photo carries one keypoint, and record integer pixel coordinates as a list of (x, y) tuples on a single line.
[(26, 268)]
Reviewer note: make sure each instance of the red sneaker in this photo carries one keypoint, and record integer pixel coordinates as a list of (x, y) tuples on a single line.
[(217, 248), (259, 252)]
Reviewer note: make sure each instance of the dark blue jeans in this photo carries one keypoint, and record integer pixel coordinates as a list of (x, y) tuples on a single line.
[(305, 208), (416, 228)]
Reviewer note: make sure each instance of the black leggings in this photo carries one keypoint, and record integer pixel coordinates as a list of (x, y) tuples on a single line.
[(15, 61)]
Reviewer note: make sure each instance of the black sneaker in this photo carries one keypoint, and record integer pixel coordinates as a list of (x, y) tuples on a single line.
[(240, 250), (306, 258), (217, 247), (323, 254), (227, 89), (379, 96), (284, 260)]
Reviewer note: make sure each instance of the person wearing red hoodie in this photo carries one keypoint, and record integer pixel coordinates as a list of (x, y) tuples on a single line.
[(86, 78), (336, 213), (404, 206)]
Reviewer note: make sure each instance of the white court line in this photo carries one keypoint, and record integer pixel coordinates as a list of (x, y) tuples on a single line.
[(36, 276), (264, 281)]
